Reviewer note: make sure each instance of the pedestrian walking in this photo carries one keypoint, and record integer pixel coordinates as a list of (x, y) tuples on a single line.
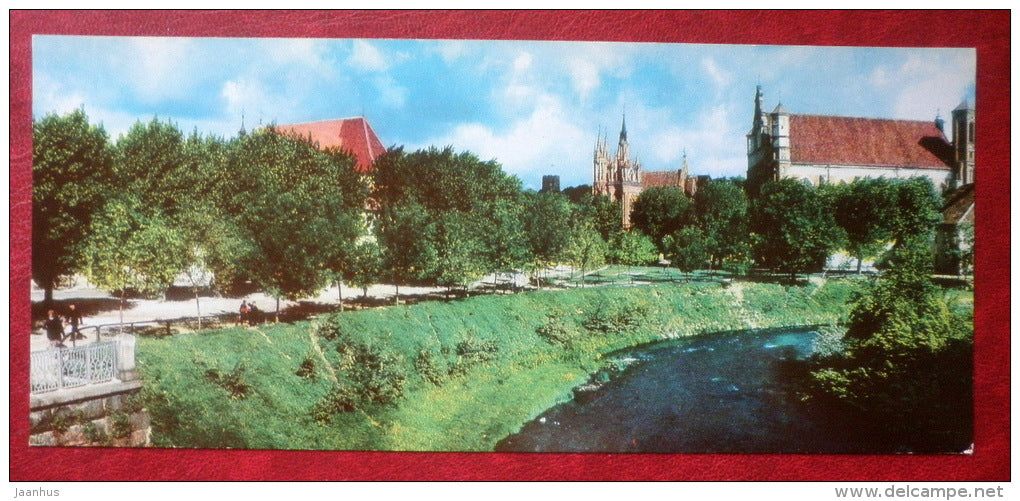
[(54, 329), (74, 318), (242, 316)]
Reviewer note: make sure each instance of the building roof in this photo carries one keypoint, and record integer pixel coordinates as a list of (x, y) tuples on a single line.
[(660, 178), (816, 139), (960, 205), (353, 135)]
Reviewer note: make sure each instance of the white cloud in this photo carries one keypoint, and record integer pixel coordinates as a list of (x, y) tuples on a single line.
[(533, 144), (925, 83), (51, 96), (366, 57), (451, 50), (585, 76), (717, 74), (157, 68), (306, 52), (713, 142), (391, 94)]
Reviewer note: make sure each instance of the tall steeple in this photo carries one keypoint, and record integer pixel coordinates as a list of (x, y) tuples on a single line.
[(623, 153)]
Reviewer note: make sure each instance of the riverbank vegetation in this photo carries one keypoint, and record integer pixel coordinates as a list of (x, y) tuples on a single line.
[(444, 376), (903, 370)]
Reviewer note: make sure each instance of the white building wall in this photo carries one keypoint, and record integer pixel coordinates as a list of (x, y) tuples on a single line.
[(836, 174)]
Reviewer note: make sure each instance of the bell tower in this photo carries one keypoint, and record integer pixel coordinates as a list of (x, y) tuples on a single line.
[(963, 144)]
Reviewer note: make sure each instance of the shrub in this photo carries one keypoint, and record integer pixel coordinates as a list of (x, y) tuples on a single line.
[(132, 404), (307, 368), (233, 381), (905, 368), (558, 331), (613, 318), (96, 435), (429, 369), (340, 399), (120, 425), (328, 328), (829, 341)]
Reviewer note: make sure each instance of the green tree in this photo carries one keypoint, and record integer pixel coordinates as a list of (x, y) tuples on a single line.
[(905, 370), (585, 250), (605, 214), (446, 217), (687, 249), (128, 249), (865, 210), (720, 210), (917, 209), (72, 169), (793, 230), (632, 248), (294, 211), (365, 265), (659, 211), (150, 161), (546, 228)]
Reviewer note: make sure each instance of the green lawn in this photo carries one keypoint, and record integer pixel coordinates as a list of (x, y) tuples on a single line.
[(496, 362)]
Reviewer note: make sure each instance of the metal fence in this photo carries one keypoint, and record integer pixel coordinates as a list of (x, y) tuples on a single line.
[(56, 369)]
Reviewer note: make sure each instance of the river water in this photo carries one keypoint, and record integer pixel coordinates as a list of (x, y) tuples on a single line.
[(719, 393)]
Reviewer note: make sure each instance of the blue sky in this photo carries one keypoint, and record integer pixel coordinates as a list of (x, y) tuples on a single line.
[(535, 107)]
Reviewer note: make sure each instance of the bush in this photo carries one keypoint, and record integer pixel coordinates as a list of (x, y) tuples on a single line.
[(429, 369), (307, 368), (905, 368), (340, 399), (614, 318), (233, 381), (96, 435), (558, 331), (120, 425)]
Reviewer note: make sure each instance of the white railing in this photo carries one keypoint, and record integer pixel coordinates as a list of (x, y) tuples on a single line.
[(60, 368)]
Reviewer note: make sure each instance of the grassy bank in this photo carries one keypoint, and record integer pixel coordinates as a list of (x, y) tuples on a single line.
[(449, 376)]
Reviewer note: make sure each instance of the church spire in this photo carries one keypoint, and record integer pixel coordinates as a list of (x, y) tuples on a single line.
[(623, 130)]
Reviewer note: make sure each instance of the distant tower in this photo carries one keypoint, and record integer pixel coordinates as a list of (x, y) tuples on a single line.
[(761, 165), (617, 176), (781, 139), (963, 144), (550, 184)]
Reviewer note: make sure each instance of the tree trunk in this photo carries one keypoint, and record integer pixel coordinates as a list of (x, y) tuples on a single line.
[(396, 297), (121, 313), (198, 308), (340, 294), (859, 264), (48, 296), (277, 310)]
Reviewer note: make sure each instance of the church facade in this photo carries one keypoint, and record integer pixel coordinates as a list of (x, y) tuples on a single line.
[(621, 177), (830, 149)]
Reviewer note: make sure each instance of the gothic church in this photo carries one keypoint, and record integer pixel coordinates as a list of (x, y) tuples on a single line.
[(621, 178)]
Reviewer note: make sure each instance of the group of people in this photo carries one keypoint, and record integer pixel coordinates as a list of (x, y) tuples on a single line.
[(54, 326), (249, 314)]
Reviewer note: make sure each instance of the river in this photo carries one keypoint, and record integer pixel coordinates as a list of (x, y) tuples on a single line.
[(719, 393)]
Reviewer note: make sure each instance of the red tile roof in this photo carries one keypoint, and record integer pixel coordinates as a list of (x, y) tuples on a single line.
[(660, 178), (818, 139), (353, 135)]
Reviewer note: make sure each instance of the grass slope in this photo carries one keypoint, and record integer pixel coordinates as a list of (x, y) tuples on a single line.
[(495, 362)]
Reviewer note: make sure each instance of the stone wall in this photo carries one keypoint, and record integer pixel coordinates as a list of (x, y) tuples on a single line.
[(105, 415)]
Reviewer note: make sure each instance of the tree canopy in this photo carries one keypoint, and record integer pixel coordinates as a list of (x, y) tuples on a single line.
[(72, 174), (793, 230), (659, 211)]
